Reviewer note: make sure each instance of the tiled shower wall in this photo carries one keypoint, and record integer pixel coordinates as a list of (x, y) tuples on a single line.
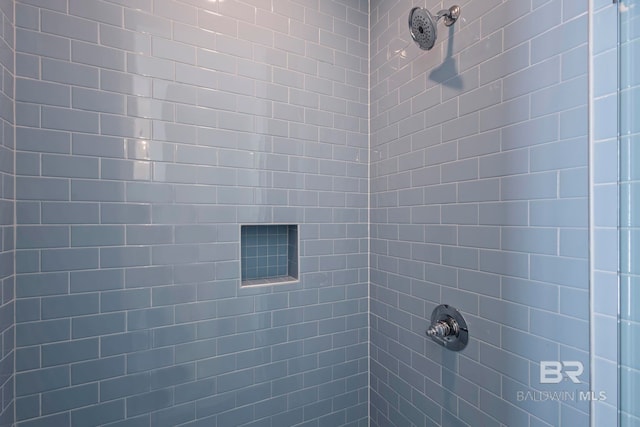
[(629, 217), (147, 132), (6, 212), (479, 200), (604, 210)]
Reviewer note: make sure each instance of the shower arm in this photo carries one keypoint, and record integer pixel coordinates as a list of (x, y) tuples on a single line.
[(450, 15)]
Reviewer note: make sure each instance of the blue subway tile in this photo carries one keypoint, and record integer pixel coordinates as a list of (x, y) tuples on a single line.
[(148, 276), (69, 259), (214, 405), (96, 191), (42, 44), (528, 346), (291, 417), (98, 146), (125, 300), (574, 302), (197, 311), (26, 213), (216, 328), (173, 335), (171, 295), (25, 261), (124, 386), (191, 273), (99, 101), (107, 13), (42, 140), (252, 358), (579, 329), (70, 73), (29, 285), (27, 407), (530, 186), (147, 402), (42, 380), (235, 380), (563, 271), (27, 163), (547, 412), (531, 240), (27, 358), (194, 391), (27, 310), (28, 188), (234, 415), (28, 237), (535, 294), (61, 419), (149, 234), (196, 350), (174, 415), (100, 369), (174, 254), (27, 114), (236, 306), (94, 326), (126, 256), (69, 166), (70, 120), (125, 170), (215, 366), (69, 305), (100, 56), (173, 375), (559, 97), (68, 352), (97, 235), (141, 192), (175, 214), (101, 414), (70, 213), (96, 280), (129, 342), (140, 421), (42, 332), (149, 318), (69, 398), (121, 213), (235, 343), (149, 359), (506, 263)]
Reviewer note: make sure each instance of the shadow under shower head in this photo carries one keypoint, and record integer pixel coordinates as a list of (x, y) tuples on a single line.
[(423, 25)]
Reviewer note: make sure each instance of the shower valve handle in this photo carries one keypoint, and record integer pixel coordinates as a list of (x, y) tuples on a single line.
[(444, 328), (448, 328)]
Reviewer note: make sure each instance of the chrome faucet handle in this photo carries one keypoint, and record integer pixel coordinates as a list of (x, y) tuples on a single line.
[(444, 328), (448, 328)]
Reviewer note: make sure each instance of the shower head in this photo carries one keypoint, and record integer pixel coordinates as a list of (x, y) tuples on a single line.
[(423, 25)]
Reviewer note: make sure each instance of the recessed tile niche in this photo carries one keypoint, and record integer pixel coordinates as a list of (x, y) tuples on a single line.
[(269, 254)]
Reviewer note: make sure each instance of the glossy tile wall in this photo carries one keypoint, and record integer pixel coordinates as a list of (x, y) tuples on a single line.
[(629, 218), (147, 132), (604, 210), (479, 199), (7, 204)]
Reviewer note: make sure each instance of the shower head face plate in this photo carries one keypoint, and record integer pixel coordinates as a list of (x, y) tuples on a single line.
[(422, 26)]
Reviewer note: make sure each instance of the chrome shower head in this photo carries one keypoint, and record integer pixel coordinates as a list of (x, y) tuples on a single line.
[(423, 25)]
